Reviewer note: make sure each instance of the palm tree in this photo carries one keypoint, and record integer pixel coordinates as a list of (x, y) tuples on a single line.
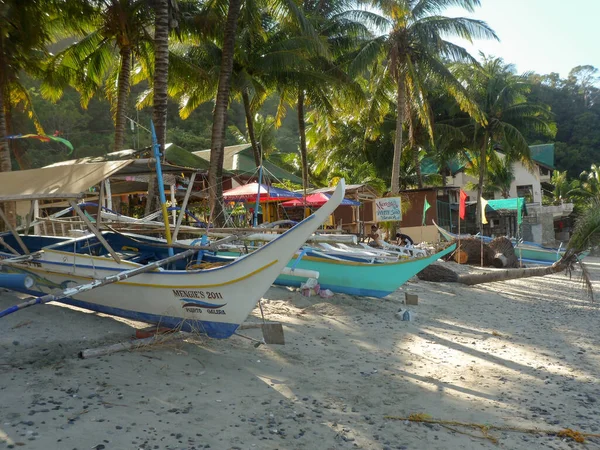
[(412, 53), (162, 8), (215, 171), (446, 147), (499, 169), (104, 57), (344, 28), (500, 94), (25, 30), (589, 184)]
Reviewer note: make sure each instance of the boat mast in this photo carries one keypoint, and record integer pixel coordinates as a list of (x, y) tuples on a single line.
[(161, 188)]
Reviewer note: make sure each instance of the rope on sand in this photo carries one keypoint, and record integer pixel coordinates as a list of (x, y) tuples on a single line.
[(576, 436)]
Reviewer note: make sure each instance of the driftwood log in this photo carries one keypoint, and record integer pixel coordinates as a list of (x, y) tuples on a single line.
[(438, 273)]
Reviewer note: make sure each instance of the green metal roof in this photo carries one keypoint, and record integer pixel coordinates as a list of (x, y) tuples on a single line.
[(543, 154), (181, 157), (429, 166), (239, 159)]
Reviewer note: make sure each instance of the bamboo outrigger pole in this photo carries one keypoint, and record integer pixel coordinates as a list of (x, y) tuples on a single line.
[(70, 292)]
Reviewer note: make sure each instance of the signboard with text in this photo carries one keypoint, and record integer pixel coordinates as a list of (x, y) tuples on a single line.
[(388, 209)]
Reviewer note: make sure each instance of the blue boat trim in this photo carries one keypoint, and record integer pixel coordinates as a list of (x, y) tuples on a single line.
[(217, 330)]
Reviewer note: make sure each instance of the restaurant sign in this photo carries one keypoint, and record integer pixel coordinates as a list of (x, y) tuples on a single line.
[(388, 209)]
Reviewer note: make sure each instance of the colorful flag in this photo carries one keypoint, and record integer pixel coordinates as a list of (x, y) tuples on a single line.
[(426, 206), (462, 209), (483, 205), (43, 138)]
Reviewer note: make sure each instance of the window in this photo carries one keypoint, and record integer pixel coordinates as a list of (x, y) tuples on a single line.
[(526, 192)]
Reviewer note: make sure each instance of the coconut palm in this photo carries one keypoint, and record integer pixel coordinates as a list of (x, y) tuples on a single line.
[(412, 52), (25, 30), (589, 184), (563, 188), (501, 96), (163, 11), (104, 57)]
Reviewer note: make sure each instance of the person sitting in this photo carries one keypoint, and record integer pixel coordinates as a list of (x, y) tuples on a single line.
[(376, 236), (404, 240)]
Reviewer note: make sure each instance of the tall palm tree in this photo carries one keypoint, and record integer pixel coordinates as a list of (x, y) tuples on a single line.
[(163, 11), (343, 28), (223, 30), (104, 57), (25, 30), (501, 96), (217, 153), (413, 51)]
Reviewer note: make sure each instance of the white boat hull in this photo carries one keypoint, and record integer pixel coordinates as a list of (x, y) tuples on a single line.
[(213, 301)]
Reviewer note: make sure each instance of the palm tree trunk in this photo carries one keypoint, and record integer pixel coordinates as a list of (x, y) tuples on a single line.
[(215, 171), (122, 96), (161, 74), (5, 163), (303, 149), (509, 274), (250, 125), (161, 70), (401, 105)]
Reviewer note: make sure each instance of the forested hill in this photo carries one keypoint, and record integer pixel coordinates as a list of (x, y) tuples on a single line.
[(574, 102)]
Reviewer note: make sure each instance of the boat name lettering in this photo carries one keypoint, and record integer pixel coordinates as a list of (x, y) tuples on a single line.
[(197, 294)]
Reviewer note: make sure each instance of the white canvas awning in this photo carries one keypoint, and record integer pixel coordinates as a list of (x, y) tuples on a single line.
[(64, 181)]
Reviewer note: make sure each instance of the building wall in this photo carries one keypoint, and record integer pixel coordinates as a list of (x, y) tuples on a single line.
[(522, 178), (428, 233), (414, 216)]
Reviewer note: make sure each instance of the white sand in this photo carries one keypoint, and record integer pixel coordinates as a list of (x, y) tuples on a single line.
[(522, 352)]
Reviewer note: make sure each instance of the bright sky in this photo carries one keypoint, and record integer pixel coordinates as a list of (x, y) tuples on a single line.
[(543, 36)]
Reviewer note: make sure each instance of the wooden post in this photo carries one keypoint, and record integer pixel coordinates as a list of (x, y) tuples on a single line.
[(29, 217), (14, 232), (100, 202), (173, 203), (108, 194), (184, 205)]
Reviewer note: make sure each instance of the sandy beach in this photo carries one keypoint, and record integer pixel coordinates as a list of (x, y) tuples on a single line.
[(519, 353)]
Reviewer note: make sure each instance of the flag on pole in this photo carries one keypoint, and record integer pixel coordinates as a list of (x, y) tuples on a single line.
[(462, 209), (426, 206), (483, 205)]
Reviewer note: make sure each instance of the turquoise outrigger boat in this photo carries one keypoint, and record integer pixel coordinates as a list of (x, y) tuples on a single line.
[(352, 275), (355, 276)]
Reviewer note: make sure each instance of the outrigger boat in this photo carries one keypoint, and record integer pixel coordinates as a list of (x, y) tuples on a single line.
[(529, 252), (131, 276), (354, 274), (357, 276)]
